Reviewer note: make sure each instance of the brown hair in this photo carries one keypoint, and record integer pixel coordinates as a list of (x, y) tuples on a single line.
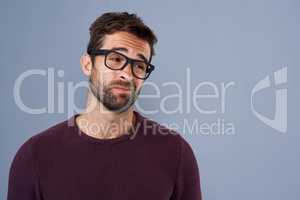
[(112, 22)]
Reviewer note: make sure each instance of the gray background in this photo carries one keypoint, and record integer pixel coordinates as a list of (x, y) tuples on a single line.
[(220, 41)]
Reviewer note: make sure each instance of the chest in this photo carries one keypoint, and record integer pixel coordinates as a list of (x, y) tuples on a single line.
[(108, 174)]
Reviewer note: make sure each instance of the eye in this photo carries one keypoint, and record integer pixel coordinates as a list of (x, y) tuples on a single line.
[(116, 58), (141, 66)]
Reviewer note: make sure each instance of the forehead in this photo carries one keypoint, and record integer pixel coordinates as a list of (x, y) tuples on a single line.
[(129, 41)]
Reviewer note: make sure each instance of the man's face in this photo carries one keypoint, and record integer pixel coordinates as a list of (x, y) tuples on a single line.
[(117, 90)]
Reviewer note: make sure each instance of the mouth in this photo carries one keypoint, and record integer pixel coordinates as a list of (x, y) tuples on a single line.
[(121, 89)]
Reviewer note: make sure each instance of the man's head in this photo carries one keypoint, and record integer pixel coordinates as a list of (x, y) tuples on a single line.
[(119, 55)]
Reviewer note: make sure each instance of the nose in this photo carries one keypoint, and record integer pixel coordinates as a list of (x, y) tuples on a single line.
[(126, 73)]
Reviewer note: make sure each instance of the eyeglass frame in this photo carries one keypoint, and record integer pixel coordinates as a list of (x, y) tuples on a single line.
[(105, 52)]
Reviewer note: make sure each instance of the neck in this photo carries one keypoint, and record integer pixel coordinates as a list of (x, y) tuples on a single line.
[(99, 122)]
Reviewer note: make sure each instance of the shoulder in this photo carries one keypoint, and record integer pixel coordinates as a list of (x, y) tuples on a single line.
[(47, 138)]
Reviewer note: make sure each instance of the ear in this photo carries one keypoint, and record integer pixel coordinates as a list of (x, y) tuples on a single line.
[(86, 64)]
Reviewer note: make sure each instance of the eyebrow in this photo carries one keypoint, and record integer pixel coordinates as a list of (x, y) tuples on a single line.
[(126, 50)]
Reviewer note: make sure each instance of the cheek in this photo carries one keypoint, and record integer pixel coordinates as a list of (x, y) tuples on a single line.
[(107, 76), (97, 79), (99, 67), (139, 84), (101, 73)]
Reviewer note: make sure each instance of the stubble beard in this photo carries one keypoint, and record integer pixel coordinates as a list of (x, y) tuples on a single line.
[(120, 102)]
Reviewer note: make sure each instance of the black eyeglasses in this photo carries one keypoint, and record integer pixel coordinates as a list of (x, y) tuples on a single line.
[(118, 61)]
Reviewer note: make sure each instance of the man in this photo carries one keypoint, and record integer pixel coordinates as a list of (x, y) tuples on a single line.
[(111, 152)]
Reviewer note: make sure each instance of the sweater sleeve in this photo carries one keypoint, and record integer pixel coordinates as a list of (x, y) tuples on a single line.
[(187, 185), (22, 182)]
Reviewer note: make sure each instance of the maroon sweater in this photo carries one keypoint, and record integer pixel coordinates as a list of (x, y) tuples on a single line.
[(63, 163)]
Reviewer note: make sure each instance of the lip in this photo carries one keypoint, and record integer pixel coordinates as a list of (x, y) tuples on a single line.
[(121, 88)]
